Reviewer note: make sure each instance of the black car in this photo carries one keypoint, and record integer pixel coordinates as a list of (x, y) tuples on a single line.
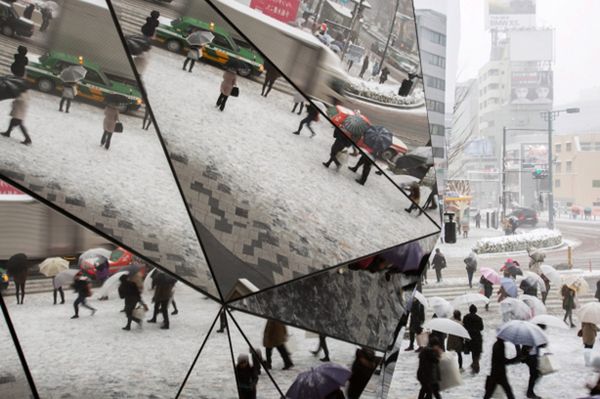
[(525, 216), (11, 24)]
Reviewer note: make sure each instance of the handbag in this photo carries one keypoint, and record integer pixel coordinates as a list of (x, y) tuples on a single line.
[(423, 339), (139, 312), (449, 374), (547, 364), (235, 91), (118, 127)]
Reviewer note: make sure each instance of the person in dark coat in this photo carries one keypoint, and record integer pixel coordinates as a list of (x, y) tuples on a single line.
[(57, 291), (547, 285), (274, 336), (81, 286), (364, 67), (528, 289), (407, 85), (498, 373), (568, 304), (414, 196), (384, 75), (455, 343), (337, 394), (18, 66), (341, 142), (428, 373), (439, 336), (271, 75), (149, 28), (366, 163), (323, 346), (478, 220), (163, 291), (438, 263), (474, 325), (18, 113), (46, 17), (227, 85), (597, 294), (488, 289), (530, 357), (17, 269), (417, 318), (28, 12), (313, 115), (129, 291), (363, 367), (471, 267), (247, 377)]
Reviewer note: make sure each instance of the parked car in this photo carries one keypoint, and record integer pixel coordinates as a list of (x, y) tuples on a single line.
[(44, 75), (222, 48), (12, 24), (525, 216)]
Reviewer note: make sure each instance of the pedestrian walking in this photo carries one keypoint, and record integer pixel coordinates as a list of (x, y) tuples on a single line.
[(478, 220), (428, 372), (375, 69), (275, 336), (149, 28), (366, 163), (588, 333), (384, 75), (18, 66), (313, 116), (363, 367), (438, 335), (474, 326), (69, 92), (57, 291), (298, 102), (111, 118), (194, 54), (414, 196), (568, 304), (247, 377), (147, 120), (547, 285), (455, 343), (530, 356), (163, 291), (18, 113), (415, 326), (46, 18), (498, 373), (129, 291), (364, 67), (28, 12), (465, 227), (407, 85), (81, 286), (227, 85), (438, 263), (471, 267), (486, 289), (19, 275), (271, 75), (341, 142), (323, 346), (597, 294)]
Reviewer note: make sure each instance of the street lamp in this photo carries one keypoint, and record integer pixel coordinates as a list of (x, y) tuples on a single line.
[(549, 117)]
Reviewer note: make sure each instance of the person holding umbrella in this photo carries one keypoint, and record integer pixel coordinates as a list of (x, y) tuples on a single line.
[(51, 267), (322, 382), (196, 40), (18, 66), (70, 76), (194, 54), (46, 18), (16, 267), (313, 116), (568, 303), (455, 343), (428, 373), (498, 373), (471, 267), (474, 325), (81, 285), (111, 119)]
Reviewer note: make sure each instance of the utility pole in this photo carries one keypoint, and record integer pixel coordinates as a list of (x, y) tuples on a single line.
[(355, 13), (387, 43), (550, 116), (503, 172)]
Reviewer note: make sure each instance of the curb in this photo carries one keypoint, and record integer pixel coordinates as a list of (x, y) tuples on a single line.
[(396, 106)]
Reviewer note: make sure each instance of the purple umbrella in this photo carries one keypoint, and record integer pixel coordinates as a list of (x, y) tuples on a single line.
[(510, 287), (405, 257), (318, 382)]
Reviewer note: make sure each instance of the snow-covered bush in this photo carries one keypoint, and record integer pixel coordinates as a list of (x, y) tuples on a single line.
[(385, 94), (538, 238)]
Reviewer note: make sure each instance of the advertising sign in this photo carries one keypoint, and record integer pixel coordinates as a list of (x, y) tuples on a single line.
[(282, 10), (531, 87), (510, 14), (534, 155), (9, 193)]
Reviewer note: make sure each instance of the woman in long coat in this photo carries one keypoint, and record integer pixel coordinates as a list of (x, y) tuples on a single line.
[(227, 85), (568, 303), (18, 113), (455, 343), (111, 117), (275, 336)]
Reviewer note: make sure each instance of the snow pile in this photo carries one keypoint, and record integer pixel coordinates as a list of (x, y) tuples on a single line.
[(386, 94), (538, 238)]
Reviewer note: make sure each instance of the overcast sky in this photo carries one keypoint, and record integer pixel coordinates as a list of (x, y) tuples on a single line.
[(577, 43)]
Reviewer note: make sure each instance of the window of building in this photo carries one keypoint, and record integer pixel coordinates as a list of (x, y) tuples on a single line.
[(569, 167), (557, 147), (435, 37), (557, 167), (434, 59), (435, 106), (493, 86), (568, 147), (557, 183), (436, 83), (494, 72), (438, 152), (586, 146), (436, 130), (596, 183)]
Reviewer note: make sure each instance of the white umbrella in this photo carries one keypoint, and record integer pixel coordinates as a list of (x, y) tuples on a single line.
[(470, 299), (576, 283), (94, 253), (447, 326), (65, 278), (421, 298), (200, 38), (536, 306), (533, 280), (52, 266), (589, 313), (110, 284), (515, 309), (73, 73), (550, 321), (522, 333), (551, 274), (148, 281), (440, 306)]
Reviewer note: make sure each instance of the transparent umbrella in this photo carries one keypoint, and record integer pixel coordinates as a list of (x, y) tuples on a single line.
[(522, 333), (515, 309), (536, 306)]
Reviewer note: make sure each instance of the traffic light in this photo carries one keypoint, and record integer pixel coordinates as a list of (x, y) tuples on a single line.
[(539, 173)]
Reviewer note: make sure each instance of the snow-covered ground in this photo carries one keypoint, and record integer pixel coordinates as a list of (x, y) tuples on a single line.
[(385, 93), (280, 174), (92, 356), (133, 177)]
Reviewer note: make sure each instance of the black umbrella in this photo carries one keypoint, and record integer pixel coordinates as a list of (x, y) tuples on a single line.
[(137, 44), (378, 138), (16, 263), (11, 87)]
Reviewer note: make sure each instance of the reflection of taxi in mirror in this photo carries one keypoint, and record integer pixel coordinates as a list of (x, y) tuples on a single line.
[(222, 48), (44, 75), (3, 279)]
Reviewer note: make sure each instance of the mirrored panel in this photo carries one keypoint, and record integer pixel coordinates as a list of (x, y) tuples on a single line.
[(13, 382)]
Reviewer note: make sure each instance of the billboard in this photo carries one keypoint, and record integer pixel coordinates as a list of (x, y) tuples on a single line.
[(531, 87), (531, 45), (510, 14), (479, 147), (535, 155), (283, 10)]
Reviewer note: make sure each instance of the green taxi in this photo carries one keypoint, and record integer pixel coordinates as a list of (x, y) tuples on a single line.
[(44, 75), (222, 48)]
